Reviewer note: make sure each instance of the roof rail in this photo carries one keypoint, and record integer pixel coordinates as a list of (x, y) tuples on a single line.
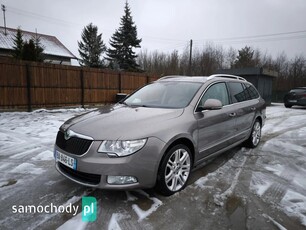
[(226, 76), (171, 76)]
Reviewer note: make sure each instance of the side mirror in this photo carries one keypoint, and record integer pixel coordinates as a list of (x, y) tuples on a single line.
[(212, 104)]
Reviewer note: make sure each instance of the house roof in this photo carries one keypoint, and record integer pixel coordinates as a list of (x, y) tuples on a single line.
[(51, 45)]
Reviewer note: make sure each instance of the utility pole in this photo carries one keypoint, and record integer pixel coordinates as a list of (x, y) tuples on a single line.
[(3, 9), (190, 57)]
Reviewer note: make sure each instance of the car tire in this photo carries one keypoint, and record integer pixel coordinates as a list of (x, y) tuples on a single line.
[(174, 170), (255, 135), (288, 106)]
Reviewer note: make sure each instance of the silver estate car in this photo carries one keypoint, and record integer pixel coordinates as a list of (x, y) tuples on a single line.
[(158, 134)]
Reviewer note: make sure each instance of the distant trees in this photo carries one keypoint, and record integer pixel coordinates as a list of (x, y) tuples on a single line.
[(121, 54), (91, 47), (30, 50), (245, 58), (206, 61)]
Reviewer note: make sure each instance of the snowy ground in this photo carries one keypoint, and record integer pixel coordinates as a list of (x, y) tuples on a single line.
[(264, 188)]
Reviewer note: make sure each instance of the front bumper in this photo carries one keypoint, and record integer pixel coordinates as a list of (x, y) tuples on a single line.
[(93, 167)]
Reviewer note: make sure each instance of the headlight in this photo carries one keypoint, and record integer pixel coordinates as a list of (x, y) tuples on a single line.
[(121, 148)]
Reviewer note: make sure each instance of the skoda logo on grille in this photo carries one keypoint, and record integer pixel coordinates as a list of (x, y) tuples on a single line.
[(67, 135)]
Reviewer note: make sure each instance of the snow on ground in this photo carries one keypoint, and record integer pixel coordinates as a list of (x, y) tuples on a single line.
[(113, 223), (74, 223), (142, 214), (274, 173), (284, 135)]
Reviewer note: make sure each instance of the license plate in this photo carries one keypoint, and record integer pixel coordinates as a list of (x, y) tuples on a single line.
[(65, 160), (292, 101)]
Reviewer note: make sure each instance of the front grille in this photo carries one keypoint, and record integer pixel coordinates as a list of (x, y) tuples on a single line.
[(86, 178), (73, 145)]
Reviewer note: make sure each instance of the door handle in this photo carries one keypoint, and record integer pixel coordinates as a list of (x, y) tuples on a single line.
[(232, 114)]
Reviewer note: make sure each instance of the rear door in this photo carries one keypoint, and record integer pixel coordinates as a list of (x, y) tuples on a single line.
[(244, 99)]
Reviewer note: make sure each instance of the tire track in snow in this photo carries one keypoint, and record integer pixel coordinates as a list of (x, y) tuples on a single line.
[(220, 198), (275, 193)]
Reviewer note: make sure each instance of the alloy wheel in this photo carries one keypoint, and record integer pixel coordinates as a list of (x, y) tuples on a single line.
[(177, 170), (256, 133)]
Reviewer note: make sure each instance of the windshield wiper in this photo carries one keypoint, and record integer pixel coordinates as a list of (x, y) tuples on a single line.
[(140, 105), (123, 103)]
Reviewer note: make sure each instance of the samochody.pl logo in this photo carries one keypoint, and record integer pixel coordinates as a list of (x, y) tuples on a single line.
[(89, 209)]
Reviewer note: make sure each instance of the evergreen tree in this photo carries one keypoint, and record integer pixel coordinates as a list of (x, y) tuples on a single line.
[(27, 50), (122, 42), (39, 56), (91, 47), (245, 58), (18, 45), (32, 50), (29, 53)]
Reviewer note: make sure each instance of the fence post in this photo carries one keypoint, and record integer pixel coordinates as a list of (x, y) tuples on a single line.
[(82, 87), (119, 82), (148, 79), (29, 96)]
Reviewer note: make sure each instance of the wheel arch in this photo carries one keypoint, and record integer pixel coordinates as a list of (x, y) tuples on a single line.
[(259, 118), (159, 186), (180, 140)]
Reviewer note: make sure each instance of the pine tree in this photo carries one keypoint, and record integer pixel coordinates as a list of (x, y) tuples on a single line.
[(32, 50), (18, 44), (39, 49), (91, 47), (29, 52), (122, 42), (245, 58)]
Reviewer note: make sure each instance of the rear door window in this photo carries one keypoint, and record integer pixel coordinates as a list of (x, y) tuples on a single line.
[(238, 92)]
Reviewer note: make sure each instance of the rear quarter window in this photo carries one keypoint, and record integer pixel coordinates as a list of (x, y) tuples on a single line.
[(252, 92)]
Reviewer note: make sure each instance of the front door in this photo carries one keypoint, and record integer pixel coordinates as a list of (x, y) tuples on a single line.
[(215, 127)]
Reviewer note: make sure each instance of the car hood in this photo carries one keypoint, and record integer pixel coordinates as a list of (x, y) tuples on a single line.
[(122, 122)]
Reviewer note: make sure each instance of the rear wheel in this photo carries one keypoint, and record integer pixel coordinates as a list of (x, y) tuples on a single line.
[(255, 136), (174, 170)]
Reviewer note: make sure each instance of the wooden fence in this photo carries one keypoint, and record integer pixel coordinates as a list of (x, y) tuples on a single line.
[(27, 85)]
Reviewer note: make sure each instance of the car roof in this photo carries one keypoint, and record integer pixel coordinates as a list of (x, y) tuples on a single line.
[(200, 79), (299, 88)]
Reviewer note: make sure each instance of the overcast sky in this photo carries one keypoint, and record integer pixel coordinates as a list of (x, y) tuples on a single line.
[(271, 25)]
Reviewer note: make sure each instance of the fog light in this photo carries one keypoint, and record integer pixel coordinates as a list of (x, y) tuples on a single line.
[(121, 180)]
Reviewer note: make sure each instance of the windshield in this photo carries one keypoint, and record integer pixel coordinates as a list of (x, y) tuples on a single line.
[(164, 95)]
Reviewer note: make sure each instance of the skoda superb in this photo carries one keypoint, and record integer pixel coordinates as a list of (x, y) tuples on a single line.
[(155, 136)]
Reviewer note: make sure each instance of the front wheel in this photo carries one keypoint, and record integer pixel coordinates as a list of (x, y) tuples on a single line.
[(174, 170), (255, 136)]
